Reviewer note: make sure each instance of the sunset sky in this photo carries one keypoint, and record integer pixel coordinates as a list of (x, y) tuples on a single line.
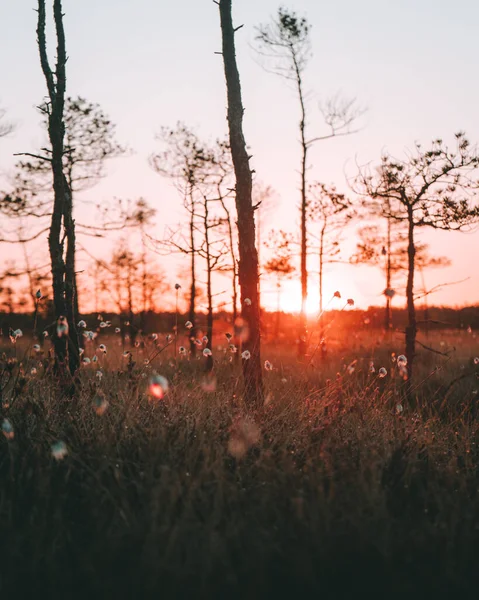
[(153, 63)]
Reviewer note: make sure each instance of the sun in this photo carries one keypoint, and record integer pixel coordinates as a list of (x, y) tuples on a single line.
[(290, 298)]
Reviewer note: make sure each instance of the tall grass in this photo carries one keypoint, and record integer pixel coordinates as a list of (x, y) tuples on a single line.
[(330, 490)]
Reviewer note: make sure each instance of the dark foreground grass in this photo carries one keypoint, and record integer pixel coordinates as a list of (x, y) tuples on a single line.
[(327, 492)]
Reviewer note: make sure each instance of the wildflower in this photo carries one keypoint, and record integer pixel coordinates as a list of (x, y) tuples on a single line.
[(7, 429), (205, 339), (81, 351), (209, 383), (158, 386), (102, 348), (86, 361), (476, 360), (372, 369), (103, 325), (95, 358), (33, 371), (168, 337), (382, 372), (45, 334), (284, 380), (189, 325), (62, 326), (37, 348), (108, 323), (337, 295), (154, 336), (82, 324), (402, 360), (100, 405), (99, 375), (389, 293), (59, 450), (399, 408), (177, 286), (126, 354), (146, 361), (268, 366), (182, 350), (352, 367), (246, 355), (228, 336), (207, 352), (100, 318), (90, 335), (247, 301), (38, 295), (233, 348), (117, 330), (198, 342), (137, 344), (17, 333), (350, 302)]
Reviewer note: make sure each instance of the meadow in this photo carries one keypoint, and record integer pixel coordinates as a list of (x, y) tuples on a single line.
[(143, 488)]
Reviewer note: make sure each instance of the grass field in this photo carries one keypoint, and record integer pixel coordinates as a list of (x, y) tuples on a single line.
[(336, 488)]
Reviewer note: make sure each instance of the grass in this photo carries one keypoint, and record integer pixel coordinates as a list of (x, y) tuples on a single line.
[(328, 491)]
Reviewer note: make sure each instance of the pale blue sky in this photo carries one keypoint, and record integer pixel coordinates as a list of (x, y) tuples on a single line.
[(151, 62)]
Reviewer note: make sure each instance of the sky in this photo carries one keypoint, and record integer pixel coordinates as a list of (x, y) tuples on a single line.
[(151, 63)]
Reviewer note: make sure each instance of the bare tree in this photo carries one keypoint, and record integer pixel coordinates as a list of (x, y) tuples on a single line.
[(89, 140), (386, 247), (280, 266), (429, 188), (332, 211), (248, 255), (285, 47), (184, 161), (62, 227)]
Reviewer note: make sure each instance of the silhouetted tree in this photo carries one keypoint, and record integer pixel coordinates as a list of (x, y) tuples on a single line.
[(89, 142), (429, 188), (332, 212), (61, 238), (285, 47), (280, 266), (248, 265)]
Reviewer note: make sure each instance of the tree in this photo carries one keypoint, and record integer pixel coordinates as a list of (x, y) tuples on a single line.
[(248, 255), (280, 266), (89, 141), (332, 211), (285, 46), (428, 188), (62, 226), (387, 248), (183, 161)]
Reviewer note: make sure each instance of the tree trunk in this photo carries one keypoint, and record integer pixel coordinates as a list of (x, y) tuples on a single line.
[(321, 303), (248, 263), (302, 346), (411, 328), (387, 320), (63, 270), (192, 311), (209, 292)]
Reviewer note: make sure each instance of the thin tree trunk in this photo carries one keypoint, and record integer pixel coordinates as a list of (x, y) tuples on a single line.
[(63, 290), (70, 284), (321, 303), (411, 328), (192, 311), (302, 346), (387, 321), (209, 291), (248, 265)]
